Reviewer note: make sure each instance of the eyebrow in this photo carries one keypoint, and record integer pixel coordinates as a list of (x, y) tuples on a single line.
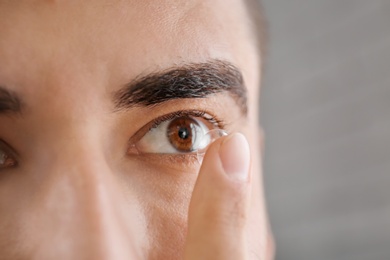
[(9, 102), (190, 81)]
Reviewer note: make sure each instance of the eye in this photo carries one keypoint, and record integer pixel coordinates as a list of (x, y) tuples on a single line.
[(178, 134), (6, 159)]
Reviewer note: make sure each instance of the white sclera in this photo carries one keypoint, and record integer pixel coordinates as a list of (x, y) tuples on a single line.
[(208, 138)]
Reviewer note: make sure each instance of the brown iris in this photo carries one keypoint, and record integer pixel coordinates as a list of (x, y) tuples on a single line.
[(182, 133)]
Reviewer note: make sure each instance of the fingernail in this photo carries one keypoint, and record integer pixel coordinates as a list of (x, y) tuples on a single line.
[(235, 156)]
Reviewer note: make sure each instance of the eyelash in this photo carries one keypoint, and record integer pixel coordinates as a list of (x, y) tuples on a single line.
[(218, 123)]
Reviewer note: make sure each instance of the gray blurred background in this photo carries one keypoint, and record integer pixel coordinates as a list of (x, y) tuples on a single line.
[(325, 107)]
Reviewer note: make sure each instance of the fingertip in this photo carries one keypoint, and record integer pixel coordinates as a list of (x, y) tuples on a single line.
[(219, 206), (234, 154)]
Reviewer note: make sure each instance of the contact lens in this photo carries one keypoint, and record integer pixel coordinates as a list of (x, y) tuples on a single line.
[(2, 158), (207, 139)]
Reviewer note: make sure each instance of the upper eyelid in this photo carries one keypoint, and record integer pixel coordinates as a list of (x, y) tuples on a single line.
[(194, 113)]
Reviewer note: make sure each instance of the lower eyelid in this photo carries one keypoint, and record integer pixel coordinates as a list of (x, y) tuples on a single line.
[(177, 161)]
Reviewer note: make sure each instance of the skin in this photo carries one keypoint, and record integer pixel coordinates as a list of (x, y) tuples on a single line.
[(75, 193)]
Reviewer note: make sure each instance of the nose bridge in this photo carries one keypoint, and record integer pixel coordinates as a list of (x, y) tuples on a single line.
[(83, 201)]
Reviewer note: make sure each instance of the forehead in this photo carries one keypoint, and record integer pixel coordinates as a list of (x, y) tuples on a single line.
[(60, 41)]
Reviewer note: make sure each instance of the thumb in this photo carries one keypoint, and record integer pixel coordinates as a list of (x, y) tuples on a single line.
[(219, 205)]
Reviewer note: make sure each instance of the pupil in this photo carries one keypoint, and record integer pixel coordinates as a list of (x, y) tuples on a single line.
[(183, 133)]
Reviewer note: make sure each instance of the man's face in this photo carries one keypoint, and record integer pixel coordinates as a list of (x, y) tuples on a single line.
[(97, 100)]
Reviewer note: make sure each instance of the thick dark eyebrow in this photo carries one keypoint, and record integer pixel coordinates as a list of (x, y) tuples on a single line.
[(195, 80), (9, 102)]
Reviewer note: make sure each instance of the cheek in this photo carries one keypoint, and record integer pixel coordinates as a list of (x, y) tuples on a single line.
[(164, 195)]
